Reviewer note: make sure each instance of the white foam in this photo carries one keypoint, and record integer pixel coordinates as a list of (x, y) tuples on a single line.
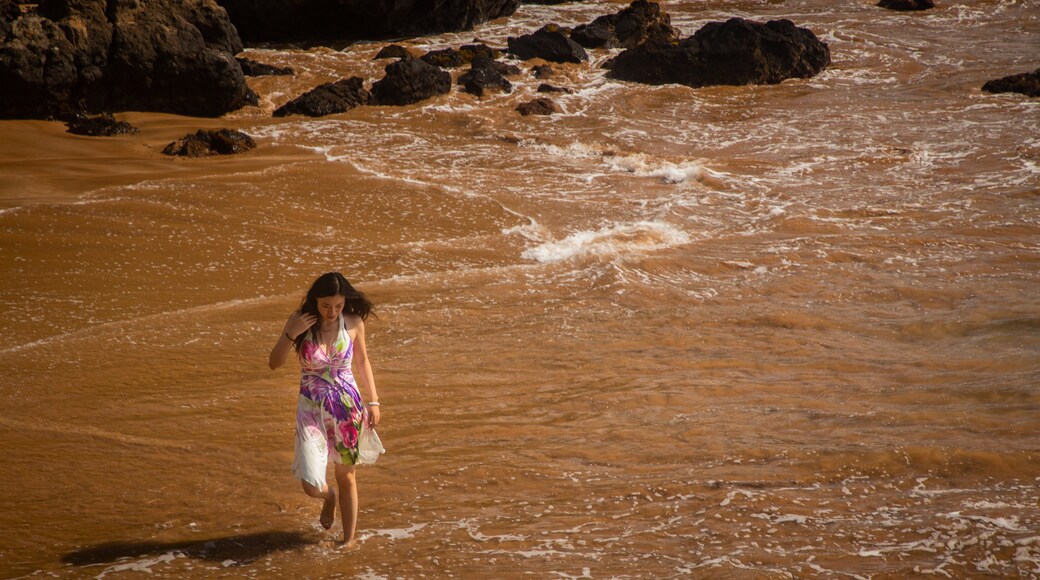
[(394, 533), (615, 240)]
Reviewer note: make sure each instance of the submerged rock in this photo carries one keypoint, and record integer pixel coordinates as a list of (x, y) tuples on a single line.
[(547, 88), (1026, 83), (549, 43), (328, 99), (735, 52), (451, 58), (103, 125), (393, 51), (205, 143), (251, 68), (539, 106), (408, 81), (542, 71), (98, 55), (262, 20), (906, 5), (628, 28), (484, 74)]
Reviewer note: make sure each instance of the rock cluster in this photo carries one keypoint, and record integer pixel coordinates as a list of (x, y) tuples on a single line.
[(251, 68), (735, 52), (215, 142), (451, 58), (66, 56), (408, 81), (103, 125), (485, 74)]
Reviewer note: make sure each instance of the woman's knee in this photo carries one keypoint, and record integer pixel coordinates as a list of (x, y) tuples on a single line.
[(345, 474)]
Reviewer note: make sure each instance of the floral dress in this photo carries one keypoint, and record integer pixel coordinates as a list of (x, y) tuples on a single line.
[(329, 411)]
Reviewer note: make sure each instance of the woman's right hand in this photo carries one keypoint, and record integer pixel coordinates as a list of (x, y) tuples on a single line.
[(298, 323)]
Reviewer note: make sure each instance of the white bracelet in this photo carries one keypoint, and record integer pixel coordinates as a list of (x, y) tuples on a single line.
[(373, 404)]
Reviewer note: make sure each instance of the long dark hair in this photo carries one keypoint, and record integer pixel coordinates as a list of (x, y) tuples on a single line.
[(333, 284)]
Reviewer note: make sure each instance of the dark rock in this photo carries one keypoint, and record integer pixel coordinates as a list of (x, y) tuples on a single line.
[(251, 68), (539, 106), (548, 42), (95, 55), (103, 125), (628, 28), (506, 69), (9, 12), (393, 51), (408, 81), (483, 74), (548, 2), (906, 5), (328, 99), (547, 88), (542, 71), (262, 20), (1025, 83), (735, 52), (204, 143), (451, 58)]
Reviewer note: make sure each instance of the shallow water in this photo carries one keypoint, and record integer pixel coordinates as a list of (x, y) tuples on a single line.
[(778, 331)]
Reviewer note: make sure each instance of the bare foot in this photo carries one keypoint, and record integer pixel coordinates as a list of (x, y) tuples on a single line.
[(349, 545), (328, 511)]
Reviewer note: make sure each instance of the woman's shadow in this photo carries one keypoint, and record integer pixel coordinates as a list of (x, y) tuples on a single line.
[(241, 549)]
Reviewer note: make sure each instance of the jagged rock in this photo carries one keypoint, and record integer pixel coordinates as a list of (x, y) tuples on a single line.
[(328, 99), (97, 55), (549, 2), (251, 68), (451, 58), (542, 71), (103, 125), (408, 81), (547, 88), (9, 12), (906, 5), (1025, 83), (549, 43), (204, 143), (539, 106), (628, 28), (393, 51), (735, 52), (262, 20), (484, 74)]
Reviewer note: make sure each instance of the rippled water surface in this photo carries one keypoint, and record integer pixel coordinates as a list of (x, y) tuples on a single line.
[(755, 332)]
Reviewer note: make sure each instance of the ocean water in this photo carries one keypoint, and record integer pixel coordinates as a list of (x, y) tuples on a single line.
[(777, 331)]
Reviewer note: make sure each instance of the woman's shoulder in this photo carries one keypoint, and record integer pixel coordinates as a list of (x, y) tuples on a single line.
[(352, 321)]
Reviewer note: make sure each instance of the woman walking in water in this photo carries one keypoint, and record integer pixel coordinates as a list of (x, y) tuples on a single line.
[(328, 333)]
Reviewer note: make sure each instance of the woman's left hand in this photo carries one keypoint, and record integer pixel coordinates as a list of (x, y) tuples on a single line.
[(373, 416)]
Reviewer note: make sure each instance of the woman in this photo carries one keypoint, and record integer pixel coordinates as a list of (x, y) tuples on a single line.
[(328, 332)]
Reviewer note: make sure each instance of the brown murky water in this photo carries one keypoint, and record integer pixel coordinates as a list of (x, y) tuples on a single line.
[(755, 332)]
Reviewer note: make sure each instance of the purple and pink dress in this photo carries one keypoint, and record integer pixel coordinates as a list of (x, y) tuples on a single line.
[(329, 411)]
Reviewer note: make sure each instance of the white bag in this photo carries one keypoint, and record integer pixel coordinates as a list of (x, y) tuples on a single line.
[(369, 445)]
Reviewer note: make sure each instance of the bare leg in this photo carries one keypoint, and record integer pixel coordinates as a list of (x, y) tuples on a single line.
[(328, 509), (348, 502)]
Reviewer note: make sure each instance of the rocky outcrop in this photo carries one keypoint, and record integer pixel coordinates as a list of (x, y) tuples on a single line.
[(103, 125), (251, 68), (549, 43), (735, 52), (205, 143), (539, 106), (906, 5), (173, 56), (451, 58), (627, 29), (328, 99), (542, 71), (1025, 83), (485, 74), (408, 81), (263, 20)]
